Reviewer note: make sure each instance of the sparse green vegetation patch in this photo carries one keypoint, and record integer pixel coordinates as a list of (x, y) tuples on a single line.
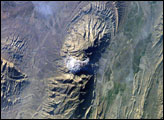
[(134, 22), (118, 88), (139, 52)]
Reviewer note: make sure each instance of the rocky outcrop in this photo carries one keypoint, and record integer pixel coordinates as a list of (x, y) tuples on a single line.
[(99, 59), (133, 81), (99, 20), (90, 32), (63, 96), (13, 82)]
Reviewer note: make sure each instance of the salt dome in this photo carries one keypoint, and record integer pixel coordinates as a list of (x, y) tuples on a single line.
[(74, 65)]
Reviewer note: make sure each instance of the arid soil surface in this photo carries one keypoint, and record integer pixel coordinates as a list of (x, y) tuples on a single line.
[(62, 59)]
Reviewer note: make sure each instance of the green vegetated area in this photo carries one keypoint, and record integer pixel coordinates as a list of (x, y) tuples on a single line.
[(132, 29), (134, 22), (111, 95), (139, 52), (108, 73)]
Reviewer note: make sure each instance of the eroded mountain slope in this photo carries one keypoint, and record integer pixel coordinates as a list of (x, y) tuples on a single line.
[(83, 59)]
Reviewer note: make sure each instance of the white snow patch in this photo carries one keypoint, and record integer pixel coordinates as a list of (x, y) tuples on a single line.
[(74, 65)]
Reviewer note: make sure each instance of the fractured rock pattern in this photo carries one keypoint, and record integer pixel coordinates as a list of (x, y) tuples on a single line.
[(12, 83), (98, 23), (100, 59)]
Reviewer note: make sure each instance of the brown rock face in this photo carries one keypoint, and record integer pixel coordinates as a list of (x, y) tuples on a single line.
[(81, 59), (12, 83), (92, 28), (98, 20)]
